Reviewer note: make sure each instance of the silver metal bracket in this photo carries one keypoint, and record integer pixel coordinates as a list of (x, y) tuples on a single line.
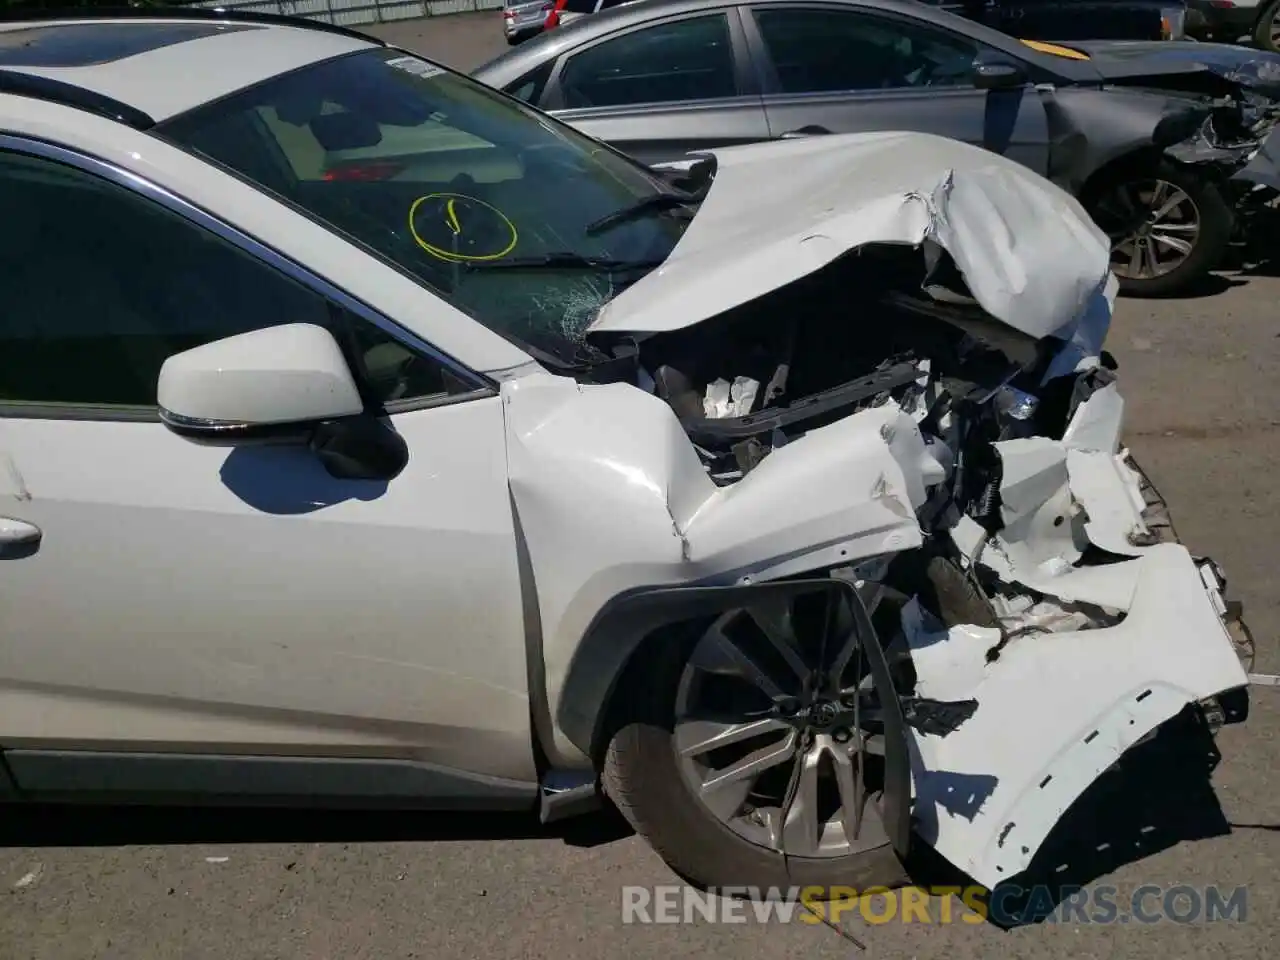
[(568, 793)]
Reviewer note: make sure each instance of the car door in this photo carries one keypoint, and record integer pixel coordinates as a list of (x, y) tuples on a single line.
[(160, 597), (844, 68), (660, 90)]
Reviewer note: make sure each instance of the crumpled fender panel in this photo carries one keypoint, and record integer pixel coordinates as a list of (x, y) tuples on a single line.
[(611, 496), (1056, 709), (1089, 128), (1263, 168)]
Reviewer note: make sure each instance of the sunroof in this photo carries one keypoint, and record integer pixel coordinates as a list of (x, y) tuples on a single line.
[(90, 44)]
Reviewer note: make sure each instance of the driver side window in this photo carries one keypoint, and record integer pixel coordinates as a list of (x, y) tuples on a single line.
[(820, 50), (100, 285)]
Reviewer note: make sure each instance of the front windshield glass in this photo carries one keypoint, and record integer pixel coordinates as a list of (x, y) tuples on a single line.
[(507, 214)]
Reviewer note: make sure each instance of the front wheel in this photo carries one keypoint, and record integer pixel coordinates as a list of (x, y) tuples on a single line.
[(1169, 226), (737, 746)]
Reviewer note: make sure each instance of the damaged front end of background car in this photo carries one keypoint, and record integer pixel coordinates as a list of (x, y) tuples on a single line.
[(1220, 109), (869, 518)]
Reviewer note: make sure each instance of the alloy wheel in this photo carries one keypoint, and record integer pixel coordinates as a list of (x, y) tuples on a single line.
[(776, 729), (1153, 225)]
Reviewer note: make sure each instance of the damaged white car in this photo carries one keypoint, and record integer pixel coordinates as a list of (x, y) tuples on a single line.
[(783, 493)]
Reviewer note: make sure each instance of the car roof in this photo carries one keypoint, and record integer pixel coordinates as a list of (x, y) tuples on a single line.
[(160, 65), (518, 61)]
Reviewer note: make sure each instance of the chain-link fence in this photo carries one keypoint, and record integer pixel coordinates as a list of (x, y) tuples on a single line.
[(356, 12)]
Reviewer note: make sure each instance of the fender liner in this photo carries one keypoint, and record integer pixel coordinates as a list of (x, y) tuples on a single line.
[(626, 622)]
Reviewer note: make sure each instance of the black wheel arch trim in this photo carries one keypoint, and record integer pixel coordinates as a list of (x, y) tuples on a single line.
[(626, 622)]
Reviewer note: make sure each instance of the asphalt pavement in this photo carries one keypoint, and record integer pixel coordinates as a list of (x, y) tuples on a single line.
[(1202, 378)]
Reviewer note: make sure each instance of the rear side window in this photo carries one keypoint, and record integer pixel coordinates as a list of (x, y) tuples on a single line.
[(529, 87), (688, 59), (819, 50)]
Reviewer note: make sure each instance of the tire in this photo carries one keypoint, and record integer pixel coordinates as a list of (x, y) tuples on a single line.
[(1262, 29), (1209, 246), (641, 777)]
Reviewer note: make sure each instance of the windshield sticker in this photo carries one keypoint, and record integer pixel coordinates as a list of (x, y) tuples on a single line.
[(1054, 50), (415, 67)]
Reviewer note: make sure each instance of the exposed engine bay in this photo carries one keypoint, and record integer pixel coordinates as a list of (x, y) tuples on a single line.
[(792, 364), (1044, 569), (900, 385)]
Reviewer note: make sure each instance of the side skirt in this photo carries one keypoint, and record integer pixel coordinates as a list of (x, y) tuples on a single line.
[(108, 777)]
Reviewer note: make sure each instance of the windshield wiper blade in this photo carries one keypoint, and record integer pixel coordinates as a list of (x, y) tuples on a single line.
[(552, 261), (653, 203)]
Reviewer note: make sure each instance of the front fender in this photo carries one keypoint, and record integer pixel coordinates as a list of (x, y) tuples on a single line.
[(611, 497), (1090, 128)]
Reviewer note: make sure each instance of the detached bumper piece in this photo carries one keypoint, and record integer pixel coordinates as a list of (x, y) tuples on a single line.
[(1090, 657)]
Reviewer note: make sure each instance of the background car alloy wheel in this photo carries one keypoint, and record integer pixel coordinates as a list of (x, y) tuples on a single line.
[(1266, 32), (1168, 228), (1165, 236)]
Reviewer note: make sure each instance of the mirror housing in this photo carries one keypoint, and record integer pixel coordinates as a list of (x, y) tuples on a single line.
[(998, 75), (283, 385)]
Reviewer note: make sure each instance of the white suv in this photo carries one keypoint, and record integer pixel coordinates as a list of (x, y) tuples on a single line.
[(369, 437)]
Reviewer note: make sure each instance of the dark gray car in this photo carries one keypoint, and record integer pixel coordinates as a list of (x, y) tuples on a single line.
[(1139, 140)]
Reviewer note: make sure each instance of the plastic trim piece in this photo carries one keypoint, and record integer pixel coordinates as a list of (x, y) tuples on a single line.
[(36, 87)]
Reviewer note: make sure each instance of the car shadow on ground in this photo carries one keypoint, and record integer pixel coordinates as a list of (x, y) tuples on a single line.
[(1158, 796), (85, 825), (1209, 285)]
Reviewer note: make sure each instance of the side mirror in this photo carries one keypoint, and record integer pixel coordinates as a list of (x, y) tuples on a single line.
[(284, 385), (998, 75)]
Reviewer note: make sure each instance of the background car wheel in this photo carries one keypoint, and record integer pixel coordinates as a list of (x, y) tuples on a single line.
[(711, 748), (1168, 226), (1266, 32)]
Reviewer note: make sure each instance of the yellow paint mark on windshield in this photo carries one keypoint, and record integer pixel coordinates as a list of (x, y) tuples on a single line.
[(503, 232), (1053, 50)]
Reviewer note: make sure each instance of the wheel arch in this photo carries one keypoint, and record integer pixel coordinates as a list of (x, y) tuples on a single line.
[(1132, 157), (611, 654)]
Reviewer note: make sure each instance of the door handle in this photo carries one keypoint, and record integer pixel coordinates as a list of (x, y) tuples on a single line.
[(810, 131), (18, 538)]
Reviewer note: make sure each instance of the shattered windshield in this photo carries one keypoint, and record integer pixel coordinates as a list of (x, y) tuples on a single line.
[(512, 217)]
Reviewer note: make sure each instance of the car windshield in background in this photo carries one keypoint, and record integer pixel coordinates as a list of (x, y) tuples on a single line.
[(448, 180)]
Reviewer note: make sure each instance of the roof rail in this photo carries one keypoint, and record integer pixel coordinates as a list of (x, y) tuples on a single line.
[(217, 14), (68, 94)]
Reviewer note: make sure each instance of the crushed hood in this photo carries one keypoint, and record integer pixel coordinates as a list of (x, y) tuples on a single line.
[(780, 210), (1157, 62)]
